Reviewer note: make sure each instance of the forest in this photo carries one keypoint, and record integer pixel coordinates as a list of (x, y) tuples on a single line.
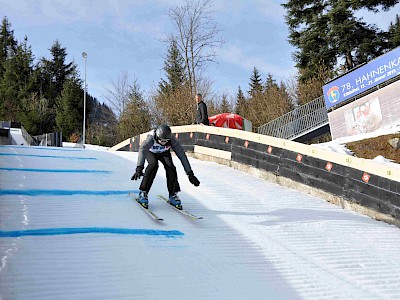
[(47, 94)]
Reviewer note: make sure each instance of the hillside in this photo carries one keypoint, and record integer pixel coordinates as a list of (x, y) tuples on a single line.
[(376, 146)]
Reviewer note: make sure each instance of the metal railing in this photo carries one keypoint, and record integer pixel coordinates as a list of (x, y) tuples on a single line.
[(27, 137), (299, 121), (309, 116), (49, 139)]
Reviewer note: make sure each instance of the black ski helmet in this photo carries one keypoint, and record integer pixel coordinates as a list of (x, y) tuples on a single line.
[(163, 132)]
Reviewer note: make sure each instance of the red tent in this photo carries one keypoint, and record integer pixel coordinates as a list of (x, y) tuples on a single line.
[(227, 120)]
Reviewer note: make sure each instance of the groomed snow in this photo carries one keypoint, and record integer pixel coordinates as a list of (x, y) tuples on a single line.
[(67, 234)]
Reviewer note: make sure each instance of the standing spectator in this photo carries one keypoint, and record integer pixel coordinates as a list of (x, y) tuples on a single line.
[(201, 111)]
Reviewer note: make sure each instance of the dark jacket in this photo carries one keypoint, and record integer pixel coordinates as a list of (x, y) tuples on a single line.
[(202, 114), (150, 142)]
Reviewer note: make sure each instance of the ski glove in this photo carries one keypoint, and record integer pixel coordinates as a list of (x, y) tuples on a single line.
[(138, 173), (193, 179)]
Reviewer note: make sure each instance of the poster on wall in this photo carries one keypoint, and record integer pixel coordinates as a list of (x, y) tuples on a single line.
[(363, 118), (367, 114), (377, 71)]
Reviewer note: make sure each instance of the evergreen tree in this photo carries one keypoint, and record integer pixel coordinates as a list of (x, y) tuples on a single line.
[(53, 75), (289, 102), (308, 29), (355, 41), (17, 84), (270, 83), (256, 85), (273, 103), (69, 112), (8, 44), (102, 125), (56, 71), (327, 33), (24, 70), (225, 105), (8, 47), (135, 118), (240, 106), (174, 68), (173, 102), (394, 33)]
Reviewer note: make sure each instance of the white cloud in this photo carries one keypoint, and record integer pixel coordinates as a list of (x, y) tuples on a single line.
[(381, 19), (42, 12), (272, 10), (269, 9), (236, 56)]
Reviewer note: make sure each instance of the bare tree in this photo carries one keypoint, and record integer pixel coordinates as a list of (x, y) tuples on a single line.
[(118, 97), (197, 36), (130, 106)]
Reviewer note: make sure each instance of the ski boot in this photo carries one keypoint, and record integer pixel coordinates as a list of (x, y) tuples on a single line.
[(143, 200), (175, 201)]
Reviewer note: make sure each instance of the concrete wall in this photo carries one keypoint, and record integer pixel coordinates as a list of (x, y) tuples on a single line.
[(5, 138), (355, 183), (17, 138)]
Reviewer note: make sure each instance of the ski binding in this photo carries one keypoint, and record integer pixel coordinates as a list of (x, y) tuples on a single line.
[(149, 212)]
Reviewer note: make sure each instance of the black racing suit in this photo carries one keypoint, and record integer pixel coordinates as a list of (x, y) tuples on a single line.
[(154, 152)]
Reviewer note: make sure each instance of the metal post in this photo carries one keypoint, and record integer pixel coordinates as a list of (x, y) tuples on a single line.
[(84, 55)]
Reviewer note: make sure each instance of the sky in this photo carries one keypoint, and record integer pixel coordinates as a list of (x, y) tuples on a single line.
[(121, 36)]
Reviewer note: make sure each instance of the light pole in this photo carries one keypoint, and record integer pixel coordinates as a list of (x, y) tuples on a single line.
[(84, 55)]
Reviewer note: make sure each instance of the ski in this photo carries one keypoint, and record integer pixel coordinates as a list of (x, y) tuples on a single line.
[(149, 212), (183, 212)]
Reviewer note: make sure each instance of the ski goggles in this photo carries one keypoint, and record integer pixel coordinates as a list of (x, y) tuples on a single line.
[(164, 140)]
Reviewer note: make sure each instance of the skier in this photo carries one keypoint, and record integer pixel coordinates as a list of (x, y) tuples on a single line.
[(156, 148)]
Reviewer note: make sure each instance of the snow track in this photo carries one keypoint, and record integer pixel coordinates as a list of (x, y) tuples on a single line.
[(258, 240)]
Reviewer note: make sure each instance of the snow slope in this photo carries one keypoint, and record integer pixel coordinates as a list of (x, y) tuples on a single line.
[(69, 230)]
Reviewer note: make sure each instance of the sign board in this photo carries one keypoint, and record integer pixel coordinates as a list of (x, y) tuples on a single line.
[(372, 112), (375, 72)]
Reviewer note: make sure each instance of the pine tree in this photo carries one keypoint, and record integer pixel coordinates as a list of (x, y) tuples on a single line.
[(102, 127), (8, 48), (174, 68), (135, 118), (308, 29), (225, 105), (240, 107), (394, 33), (327, 33), (16, 84), (8, 44), (56, 71), (173, 102), (256, 85), (270, 83), (69, 112), (53, 75), (355, 41)]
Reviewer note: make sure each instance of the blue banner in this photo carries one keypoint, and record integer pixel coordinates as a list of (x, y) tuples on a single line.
[(375, 72)]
